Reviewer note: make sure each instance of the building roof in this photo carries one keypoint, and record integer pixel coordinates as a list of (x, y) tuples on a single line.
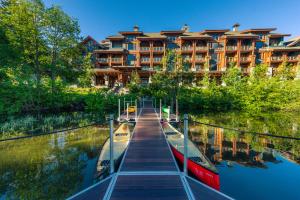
[(275, 35), (163, 32), (239, 34), (214, 31), (195, 35), (89, 38), (131, 32), (115, 37), (154, 35), (252, 30), (293, 41)]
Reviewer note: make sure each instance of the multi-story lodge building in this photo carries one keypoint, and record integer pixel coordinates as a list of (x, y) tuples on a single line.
[(209, 51)]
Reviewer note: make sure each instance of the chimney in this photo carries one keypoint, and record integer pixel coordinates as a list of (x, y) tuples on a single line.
[(186, 28), (235, 27), (136, 28)]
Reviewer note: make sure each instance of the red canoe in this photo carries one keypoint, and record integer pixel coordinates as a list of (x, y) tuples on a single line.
[(198, 164)]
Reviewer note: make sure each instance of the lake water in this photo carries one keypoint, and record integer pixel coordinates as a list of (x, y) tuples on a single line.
[(50, 166), (252, 166)]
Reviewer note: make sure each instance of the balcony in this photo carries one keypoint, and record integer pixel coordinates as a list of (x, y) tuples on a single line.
[(145, 48), (187, 59), (158, 49), (231, 48), (201, 48), (157, 59), (246, 48), (200, 59), (292, 58), (187, 48), (245, 59), (230, 59), (277, 58), (116, 60), (103, 60), (145, 59)]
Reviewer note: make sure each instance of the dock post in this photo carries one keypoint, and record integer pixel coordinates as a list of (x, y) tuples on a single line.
[(160, 109), (135, 110), (127, 110), (155, 104), (169, 113), (185, 143), (176, 110), (111, 140), (119, 110), (124, 105)]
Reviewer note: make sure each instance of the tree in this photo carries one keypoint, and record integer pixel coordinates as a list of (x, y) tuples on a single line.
[(62, 34)]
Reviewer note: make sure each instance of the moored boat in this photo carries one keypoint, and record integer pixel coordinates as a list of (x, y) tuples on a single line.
[(198, 164), (122, 137)]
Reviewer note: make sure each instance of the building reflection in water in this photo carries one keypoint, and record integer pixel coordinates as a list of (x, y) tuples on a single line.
[(224, 146)]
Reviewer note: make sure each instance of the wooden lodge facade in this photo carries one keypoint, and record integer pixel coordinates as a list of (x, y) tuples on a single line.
[(211, 51)]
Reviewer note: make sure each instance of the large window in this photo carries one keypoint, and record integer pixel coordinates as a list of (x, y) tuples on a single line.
[(130, 46)]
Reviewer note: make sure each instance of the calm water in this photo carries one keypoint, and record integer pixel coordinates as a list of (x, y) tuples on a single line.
[(251, 166), (51, 166)]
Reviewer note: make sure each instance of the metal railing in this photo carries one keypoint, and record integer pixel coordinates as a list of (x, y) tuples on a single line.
[(158, 48), (292, 58), (116, 59), (145, 48), (276, 58), (145, 59), (245, 59), (201, 48), (103, 60), (187, 48), (246, 47), (231, 48)]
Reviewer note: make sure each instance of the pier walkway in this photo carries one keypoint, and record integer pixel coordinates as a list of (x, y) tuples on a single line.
[(149, 170)]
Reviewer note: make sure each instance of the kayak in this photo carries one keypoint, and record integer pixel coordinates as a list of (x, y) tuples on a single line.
[(198, 164), (122, 137)]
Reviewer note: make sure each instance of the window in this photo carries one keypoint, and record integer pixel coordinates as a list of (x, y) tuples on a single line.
[(130, 38), (116, 44), (172, 38), (130, 59), (130, 46)]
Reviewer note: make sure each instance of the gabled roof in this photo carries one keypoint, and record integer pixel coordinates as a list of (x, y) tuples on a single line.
[(89, 38), (239, 34)]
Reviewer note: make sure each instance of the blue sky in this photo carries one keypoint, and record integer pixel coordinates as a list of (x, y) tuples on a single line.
[(100, 18)]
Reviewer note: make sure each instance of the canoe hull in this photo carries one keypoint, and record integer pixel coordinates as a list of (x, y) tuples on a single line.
[(202, 174)]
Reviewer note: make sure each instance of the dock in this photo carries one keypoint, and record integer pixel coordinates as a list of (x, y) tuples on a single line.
[(149, 170)]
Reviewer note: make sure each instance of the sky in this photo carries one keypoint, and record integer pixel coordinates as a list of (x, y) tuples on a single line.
[(101, 18)]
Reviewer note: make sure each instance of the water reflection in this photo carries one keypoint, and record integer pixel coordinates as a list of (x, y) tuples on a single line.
[(252, 166), (49, 167)]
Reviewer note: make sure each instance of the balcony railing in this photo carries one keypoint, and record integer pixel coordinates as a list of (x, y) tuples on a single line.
[(187, 59), (145, 59), (245, 69), (145, 48), (201, 48), (187, 48), (199, 58), (245, 48), (158, 48), (157, 59), (102, 60), (276, 58), (116, 60), (292, 58), (230, 59), (245, 59), (231, 48)]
